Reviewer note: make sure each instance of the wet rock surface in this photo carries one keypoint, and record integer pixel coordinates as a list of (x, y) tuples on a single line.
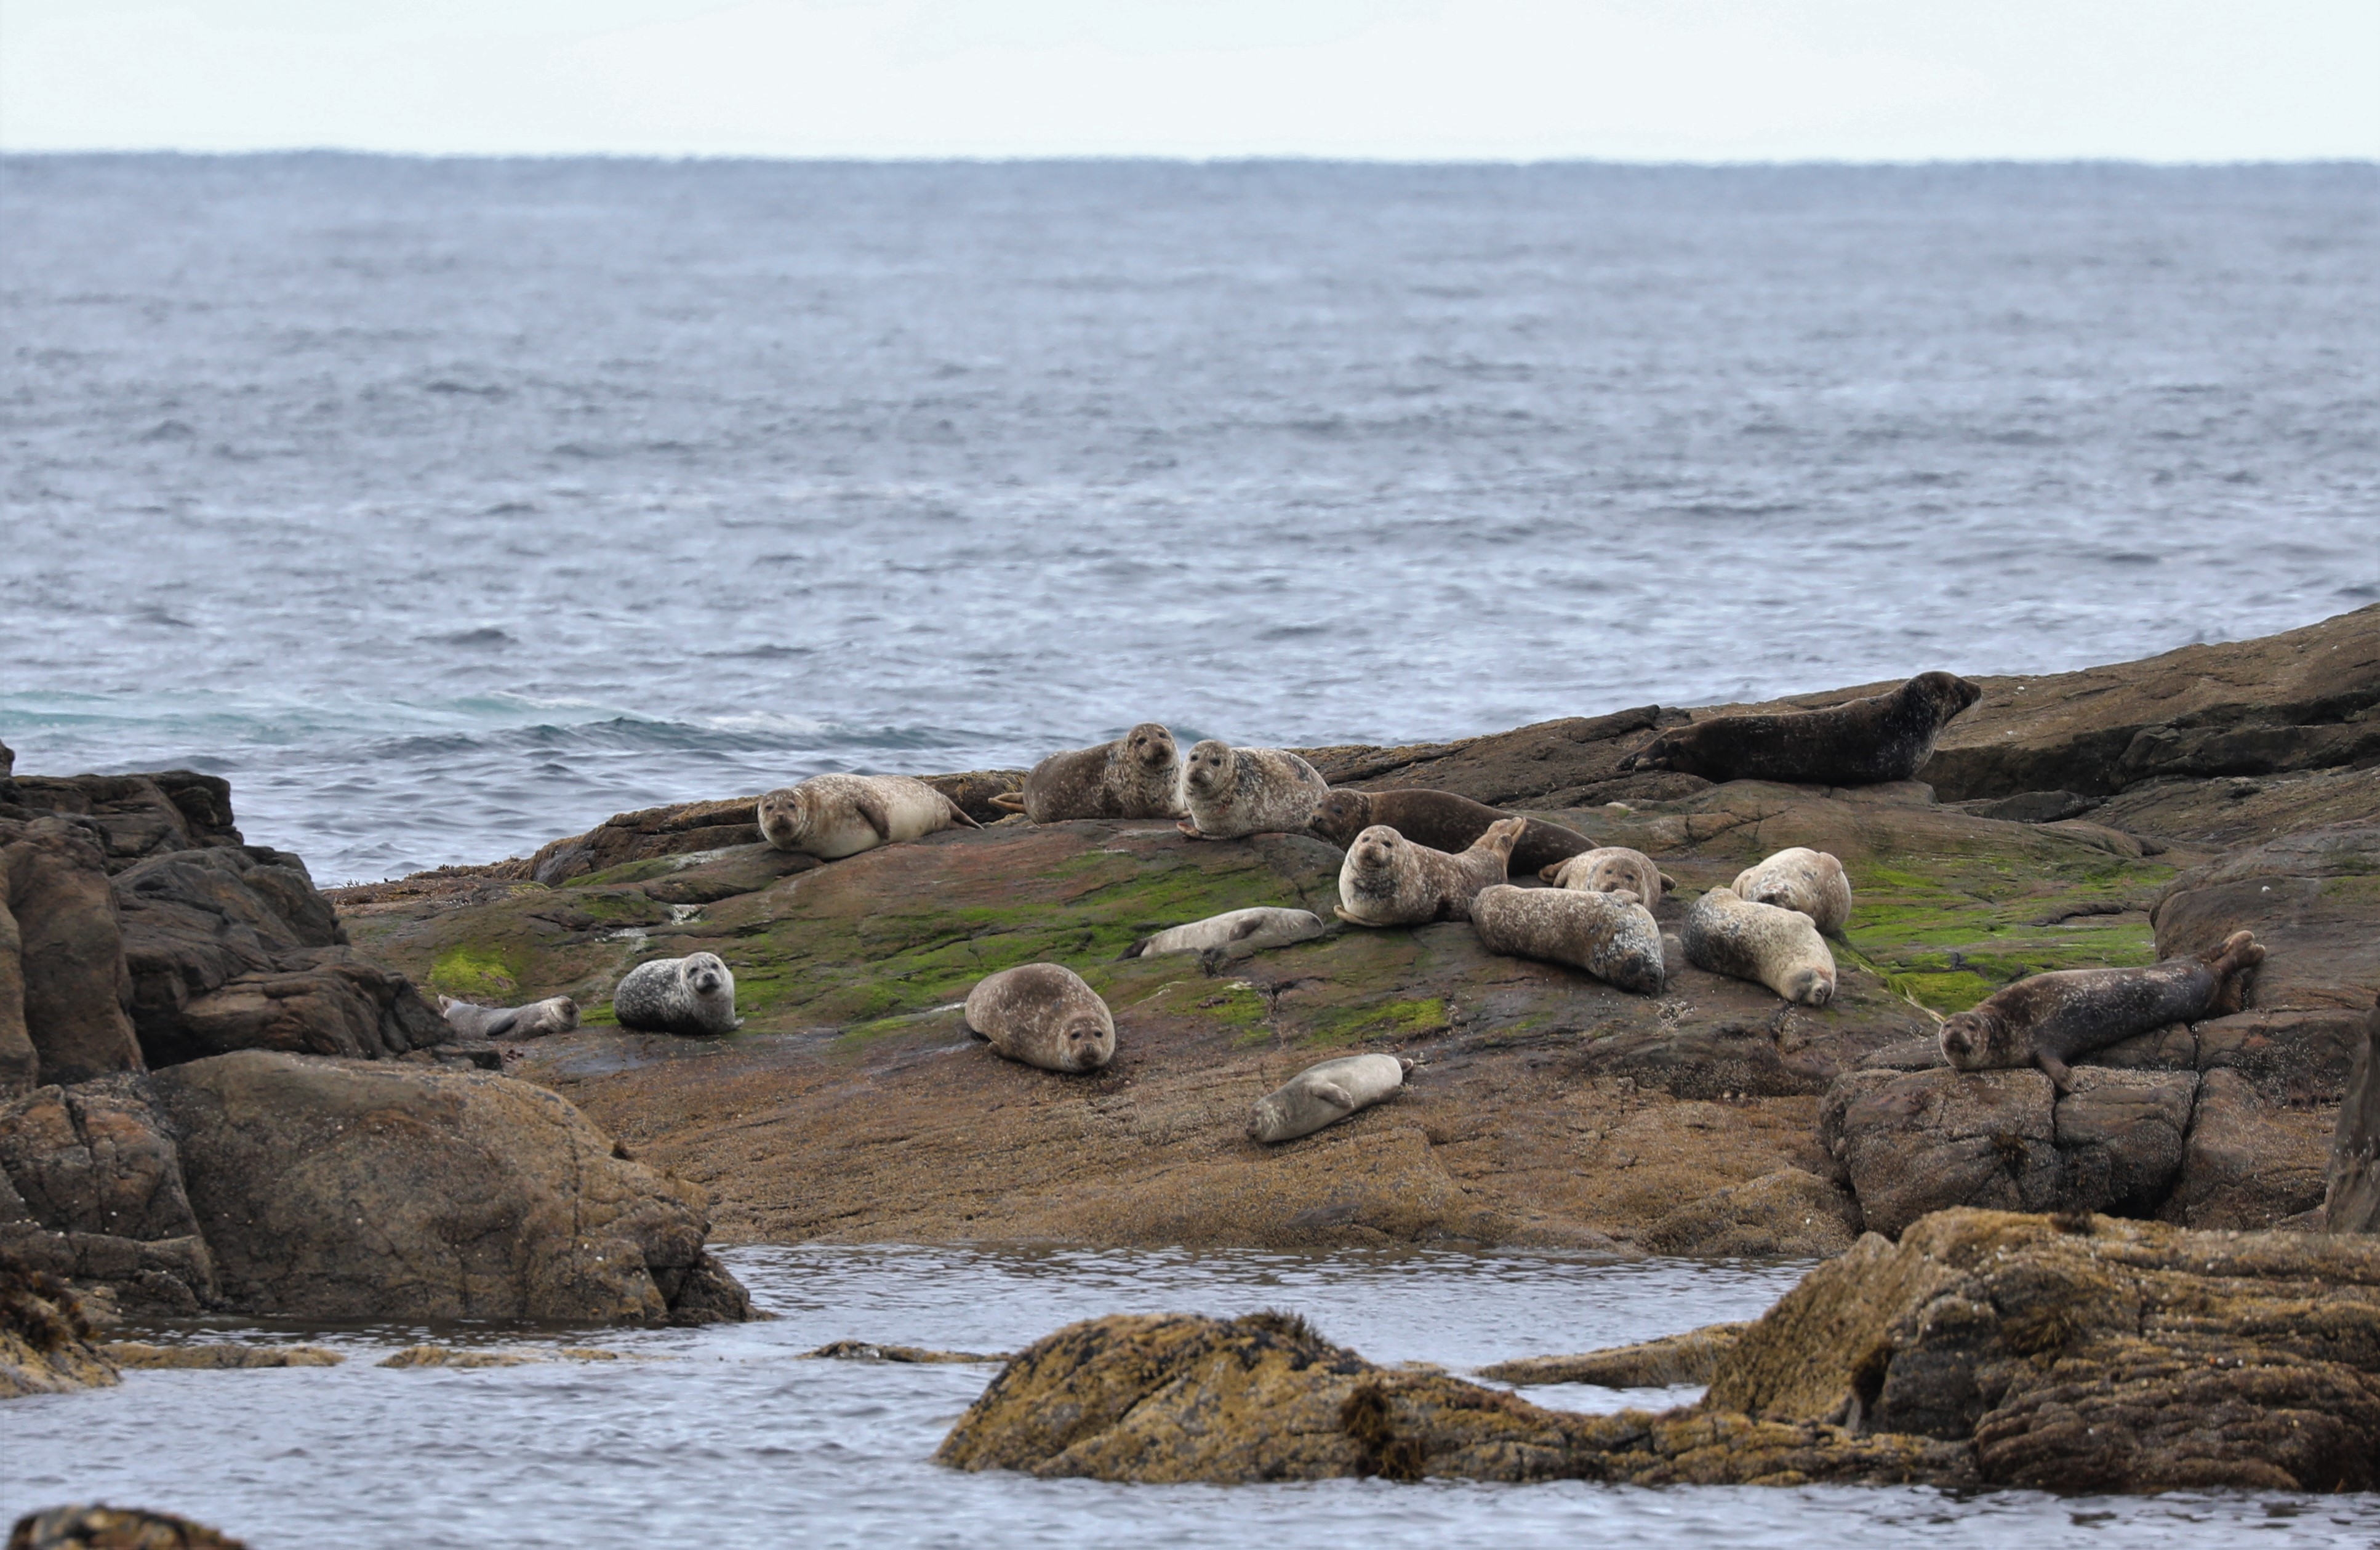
[(99, 1527), (2351, 1192), (1690, 1358)]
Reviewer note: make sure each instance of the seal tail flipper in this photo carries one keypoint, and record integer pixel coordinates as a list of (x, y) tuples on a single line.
[(1190, 827), (1408, 1062), (1137, 949), (1341, 911), (1335, 1095), (959, 816), (2054, 1070), (1551, 872), (873, 812), (2229, 964), (1008, 801)]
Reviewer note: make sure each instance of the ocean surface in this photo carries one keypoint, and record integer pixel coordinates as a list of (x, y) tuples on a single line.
[(725, 1437), (448, 506)]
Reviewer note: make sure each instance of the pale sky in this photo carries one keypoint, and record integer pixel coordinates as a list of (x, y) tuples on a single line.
[(2163, 81)]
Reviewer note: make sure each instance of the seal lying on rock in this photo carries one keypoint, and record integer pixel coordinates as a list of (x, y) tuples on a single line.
[(1043, 1015), (1442, 821), (555, 1014), (832, 816), (1612, 868), (1861, 742), (1251, 930), (1387, 880), (2050, 1020), (1138, 775), (1799, 878), (1780, 948), (693, 996), (1611, 935), (1233, 792), (1326, 1094)]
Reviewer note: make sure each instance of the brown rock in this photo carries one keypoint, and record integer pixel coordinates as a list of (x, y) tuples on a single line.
[(348, 1189), (1787, 1214), (676, 830), (2246, 1163), (2313, 899), (132, 816), (70, 951), (2351, 1195), (96, 1157), (1692, 1357), (215, 1356), (20, 1067), (100, 1527), (1922, 1142), (2119, 1135), (44, 1338)]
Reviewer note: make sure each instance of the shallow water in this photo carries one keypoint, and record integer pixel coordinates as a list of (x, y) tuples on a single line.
[(723, 1438), (450, 507)]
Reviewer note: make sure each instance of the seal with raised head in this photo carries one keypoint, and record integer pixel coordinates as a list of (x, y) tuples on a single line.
[(1326, 1094), (1860, 742), (2049, 1020), (1234, 792), (1801, 878), (695, 995), (832, 816), (1780, 948), (1612, 868), (1237, 930), (1442, 821), (555, 1014), (1138, 775), (1043, 1015), (1609, 934), (1387, 880)]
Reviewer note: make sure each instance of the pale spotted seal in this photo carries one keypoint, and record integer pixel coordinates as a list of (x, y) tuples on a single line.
[(1799, 878), (1326, 1094), (1442, 821), (1042, 1015), (2050, 1020), (1611, 935), (1237, 930), (1861, 742), (1387, 880), (1234, 792), (1612, 868), (1780, 948), (555, 1014), (832, 816), (1138, 775), (695, 995)]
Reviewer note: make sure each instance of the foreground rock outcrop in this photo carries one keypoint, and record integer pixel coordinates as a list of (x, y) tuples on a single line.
[(2351, 1196), (97, 1526), (2062, 1353), (45, 1346)]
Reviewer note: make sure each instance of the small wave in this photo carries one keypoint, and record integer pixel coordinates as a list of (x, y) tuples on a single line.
[(486, 635)]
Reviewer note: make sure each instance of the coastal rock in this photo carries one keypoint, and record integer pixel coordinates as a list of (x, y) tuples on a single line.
[(45, 1338), (19, 1066), (2313, 899), (1916, 1142), (646, 835), (96, 1157), (215, 1356), (2119, 1135), (1673, 1359), (99, 1527), (2351, 1196), (70, 952), (131, 817), (2086, 1353), (2246, 1163), (1789, 1213), (372, 1190)]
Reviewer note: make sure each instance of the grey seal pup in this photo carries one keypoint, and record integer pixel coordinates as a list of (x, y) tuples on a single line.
[(1249, 930), (1780, 948), (1803, 879), (1234, 792), (555, 1014), (1612, 868), (1138, 775), (1042, 1015), (1442, 821), (832, 816), (695, 995), (2050, 1020), (1387, 880), (1860, 742), (1326, 1094), (1611, 935)]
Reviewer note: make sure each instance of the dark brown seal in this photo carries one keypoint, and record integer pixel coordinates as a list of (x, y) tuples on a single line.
[(2049, 1019), (1860, 742), (1138, 775), (1442, 821)]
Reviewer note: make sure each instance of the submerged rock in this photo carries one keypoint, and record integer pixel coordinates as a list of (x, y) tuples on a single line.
[(100, 1527), (1671, 1360)]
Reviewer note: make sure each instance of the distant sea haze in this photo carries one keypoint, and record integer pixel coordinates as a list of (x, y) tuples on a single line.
[(449, 507)]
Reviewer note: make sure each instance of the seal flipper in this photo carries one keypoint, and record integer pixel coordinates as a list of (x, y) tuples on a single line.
[(871, 812), (1008, 801), (501, 1022), (1335, 1095), (1246, 928), (1668, 884), (2054, 1070), (959, 816)]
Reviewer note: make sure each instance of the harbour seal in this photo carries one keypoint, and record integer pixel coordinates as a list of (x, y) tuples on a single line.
[(1138, 775), (555, 1014), (1387, 880), (695, 995), (1803, 879), (1442, 821), (1611, 935), (1612, 868), (1242, 930), (1860, 742), (1325, 1094), (1233, 792), (1042, 1015), (2050, 1020), (1780, 948), (832, 816)]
